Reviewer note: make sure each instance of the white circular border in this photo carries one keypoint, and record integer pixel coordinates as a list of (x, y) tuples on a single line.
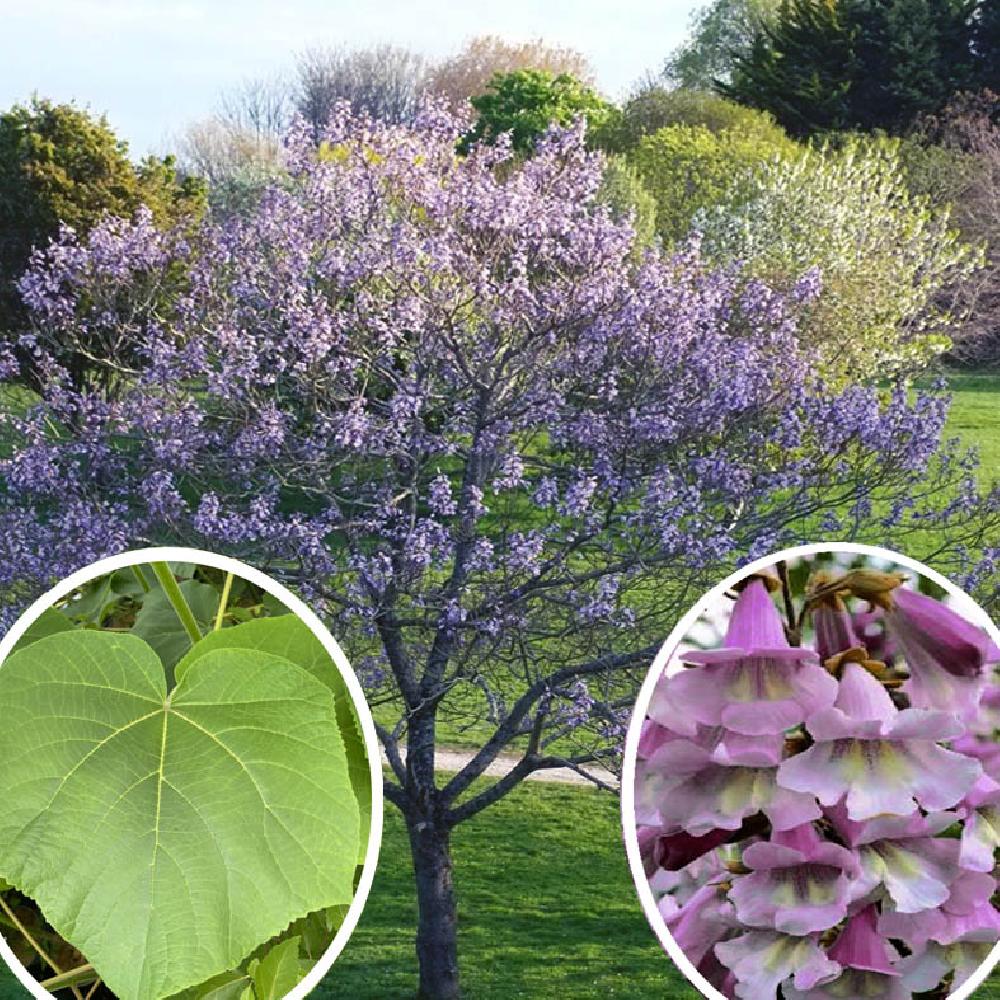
[(296, 606), (658, 667)]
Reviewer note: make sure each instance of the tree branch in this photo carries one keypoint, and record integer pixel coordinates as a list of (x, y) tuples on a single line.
[(391, 747), (511, 726)]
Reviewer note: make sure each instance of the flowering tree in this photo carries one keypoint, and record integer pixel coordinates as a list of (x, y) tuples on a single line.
[(818, 816), (441, 397)]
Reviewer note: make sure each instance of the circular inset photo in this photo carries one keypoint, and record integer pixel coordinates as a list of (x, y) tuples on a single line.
[(190, 786), (811, 787)]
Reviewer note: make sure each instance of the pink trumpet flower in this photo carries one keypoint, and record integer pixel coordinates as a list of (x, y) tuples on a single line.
[(885, 761), (867, 961), (944, 942), (762, 960), (946, 654), (757, 684), (918, 869), (981, 830), (712, 785), (799, 883)]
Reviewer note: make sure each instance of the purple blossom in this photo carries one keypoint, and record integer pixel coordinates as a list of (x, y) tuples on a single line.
[(700, 788), (799, 883), (867, 962), (756, 683), (763, 960), (946, 654), (883, 759)]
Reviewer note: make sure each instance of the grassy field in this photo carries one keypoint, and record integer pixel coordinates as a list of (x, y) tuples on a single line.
[(975, 418)]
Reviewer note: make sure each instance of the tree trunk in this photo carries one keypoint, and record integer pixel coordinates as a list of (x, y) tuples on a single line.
[(437, 927)]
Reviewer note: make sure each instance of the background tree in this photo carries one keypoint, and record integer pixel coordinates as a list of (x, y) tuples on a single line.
[(823, 65), (954, 159), (654, 106), (526, 102), (384, 81), (219, 153), (987, 45), (910, 57), (440, 397), (799, 68), (468, 73), (59, 164), (260, 106), (237, 150), (719, 34)]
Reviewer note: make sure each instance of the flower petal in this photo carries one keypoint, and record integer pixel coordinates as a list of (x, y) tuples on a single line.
[(762, 960)]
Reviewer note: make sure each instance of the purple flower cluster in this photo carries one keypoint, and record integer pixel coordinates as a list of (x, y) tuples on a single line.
[(820, 821), (444, 398)]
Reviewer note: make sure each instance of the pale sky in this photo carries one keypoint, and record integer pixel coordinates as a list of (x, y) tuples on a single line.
[(155, 65)]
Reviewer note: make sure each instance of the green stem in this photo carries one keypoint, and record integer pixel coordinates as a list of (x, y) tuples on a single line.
[(79, 976), (143, 582), (176, 598), (45, 956), (223, 601)]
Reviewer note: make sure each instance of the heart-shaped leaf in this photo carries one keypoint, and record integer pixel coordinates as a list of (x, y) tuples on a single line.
[(288, 636), (166, 837)]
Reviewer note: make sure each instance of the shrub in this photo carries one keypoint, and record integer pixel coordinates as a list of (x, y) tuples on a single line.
[(884, 255), (657, 106), (688, 168)]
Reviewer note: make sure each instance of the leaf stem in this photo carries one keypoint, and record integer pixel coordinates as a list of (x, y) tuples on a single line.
[(143, 582), (79, 976), (223, 601), (26, 934), (176, 598)]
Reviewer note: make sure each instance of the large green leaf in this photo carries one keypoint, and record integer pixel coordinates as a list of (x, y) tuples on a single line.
[(49, 622), (288, 636), (158, 624), (166, 837)]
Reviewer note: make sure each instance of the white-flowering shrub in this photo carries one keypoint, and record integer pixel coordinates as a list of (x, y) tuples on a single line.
[(884, 256)]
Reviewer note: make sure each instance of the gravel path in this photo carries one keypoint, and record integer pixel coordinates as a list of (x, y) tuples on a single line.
[(455, 760)]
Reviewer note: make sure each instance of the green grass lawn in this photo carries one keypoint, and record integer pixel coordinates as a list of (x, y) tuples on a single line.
[(975, 418), (547, 908)]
